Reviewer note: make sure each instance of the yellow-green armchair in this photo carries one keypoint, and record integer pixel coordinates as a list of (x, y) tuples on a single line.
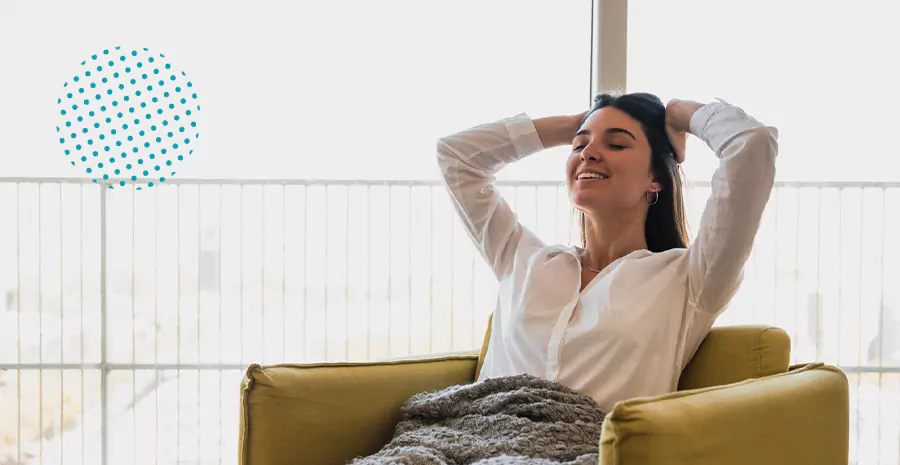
[(738, 403)]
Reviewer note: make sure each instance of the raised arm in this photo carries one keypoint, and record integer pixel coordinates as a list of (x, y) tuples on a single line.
[(740, 190), (469, 161)]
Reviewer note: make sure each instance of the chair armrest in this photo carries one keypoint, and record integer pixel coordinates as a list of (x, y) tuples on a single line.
[(329, 413), (797, 417)]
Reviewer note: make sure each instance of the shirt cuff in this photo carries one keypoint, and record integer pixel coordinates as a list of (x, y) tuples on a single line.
[(730, 122), (523, 134), (702, 116)]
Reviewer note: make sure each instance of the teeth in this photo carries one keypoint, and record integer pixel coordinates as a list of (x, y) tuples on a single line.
[(591, 176)]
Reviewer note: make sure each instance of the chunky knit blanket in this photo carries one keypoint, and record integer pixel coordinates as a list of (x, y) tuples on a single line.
[(509, 420)]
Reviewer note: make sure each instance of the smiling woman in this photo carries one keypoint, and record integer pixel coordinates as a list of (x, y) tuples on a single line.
[(620, 316)]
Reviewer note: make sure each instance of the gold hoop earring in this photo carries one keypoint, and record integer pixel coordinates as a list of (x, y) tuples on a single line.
[(655, 199)]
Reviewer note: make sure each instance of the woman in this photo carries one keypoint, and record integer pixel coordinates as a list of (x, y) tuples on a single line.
[(621, 315)]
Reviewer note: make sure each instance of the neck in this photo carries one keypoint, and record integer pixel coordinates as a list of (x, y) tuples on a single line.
[(612, 235)]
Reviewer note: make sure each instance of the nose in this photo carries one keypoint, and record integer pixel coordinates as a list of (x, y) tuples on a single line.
[(590, 153)]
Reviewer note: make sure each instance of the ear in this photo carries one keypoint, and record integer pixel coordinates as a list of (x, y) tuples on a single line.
[(655, 186)]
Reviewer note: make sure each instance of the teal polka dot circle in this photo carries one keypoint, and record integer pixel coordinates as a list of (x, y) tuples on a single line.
[(111, 77)]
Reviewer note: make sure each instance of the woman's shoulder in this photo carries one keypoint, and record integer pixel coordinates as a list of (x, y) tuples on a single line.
[(670, 254), (671, 258)]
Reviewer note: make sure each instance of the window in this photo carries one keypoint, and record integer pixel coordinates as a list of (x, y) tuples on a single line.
[(825, 257), (129, 316)]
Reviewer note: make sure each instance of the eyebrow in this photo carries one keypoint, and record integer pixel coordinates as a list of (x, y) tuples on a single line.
[(584, 132)]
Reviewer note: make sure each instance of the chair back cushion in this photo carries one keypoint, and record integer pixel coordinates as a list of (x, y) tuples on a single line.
[(731, 354)]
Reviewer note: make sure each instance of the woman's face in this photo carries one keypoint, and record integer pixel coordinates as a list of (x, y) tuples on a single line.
[(612, 145)]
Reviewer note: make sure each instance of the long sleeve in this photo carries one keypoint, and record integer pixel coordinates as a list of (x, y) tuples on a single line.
[(740, 189), (469, 161)]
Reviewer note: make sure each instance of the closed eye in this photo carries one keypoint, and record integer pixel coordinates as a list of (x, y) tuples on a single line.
[(580, 147), (617, 147)]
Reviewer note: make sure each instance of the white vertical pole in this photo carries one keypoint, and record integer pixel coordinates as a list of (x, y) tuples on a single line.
[(609, 46)]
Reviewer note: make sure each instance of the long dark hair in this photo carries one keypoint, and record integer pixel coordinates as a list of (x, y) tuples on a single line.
[(666, 225)]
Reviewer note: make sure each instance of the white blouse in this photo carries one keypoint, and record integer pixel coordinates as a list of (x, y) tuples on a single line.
[(635, 326)]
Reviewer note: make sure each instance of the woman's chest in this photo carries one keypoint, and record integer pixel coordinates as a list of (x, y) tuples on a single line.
[(627, 301), (627, 298)]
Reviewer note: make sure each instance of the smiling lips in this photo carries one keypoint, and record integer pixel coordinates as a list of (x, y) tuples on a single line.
[(590, 174)]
